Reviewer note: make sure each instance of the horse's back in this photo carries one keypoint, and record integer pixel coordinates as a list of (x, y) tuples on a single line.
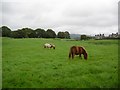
[(73, 48), (47, 45), (76, 49)]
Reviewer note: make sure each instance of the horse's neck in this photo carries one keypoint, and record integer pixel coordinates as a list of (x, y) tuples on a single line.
[(84, 51)]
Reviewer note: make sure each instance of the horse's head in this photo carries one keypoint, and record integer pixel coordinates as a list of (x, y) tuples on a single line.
[(85, 55), (53, 46), (83, 51)]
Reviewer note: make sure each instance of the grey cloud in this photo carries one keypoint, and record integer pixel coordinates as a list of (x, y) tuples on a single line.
[(89, 14), (76, 16)]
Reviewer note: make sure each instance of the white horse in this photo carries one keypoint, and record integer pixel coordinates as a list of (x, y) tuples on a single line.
[(47, 45)]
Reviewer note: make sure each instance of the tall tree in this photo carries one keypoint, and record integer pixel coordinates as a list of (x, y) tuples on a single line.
[(67, 35), (16, 34), (6, 32), (40, 33), (23, 33), (32, 34), (50, 33), (61, 35), (26, 32), (83, 37)]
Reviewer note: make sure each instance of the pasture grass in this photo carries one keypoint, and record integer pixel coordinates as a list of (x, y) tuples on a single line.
[(26, 64)]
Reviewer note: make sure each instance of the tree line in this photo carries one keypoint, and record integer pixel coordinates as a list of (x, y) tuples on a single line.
[(30, 33)]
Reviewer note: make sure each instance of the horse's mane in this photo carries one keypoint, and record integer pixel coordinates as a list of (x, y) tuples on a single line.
[(85, 53), (83, 49)]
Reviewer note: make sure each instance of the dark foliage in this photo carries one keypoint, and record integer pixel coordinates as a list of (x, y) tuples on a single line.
[(6, 32), (63, 35), (50, 33), (30, 33)]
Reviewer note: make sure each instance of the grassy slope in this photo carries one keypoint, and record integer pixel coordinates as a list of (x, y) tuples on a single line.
[(27, 64)]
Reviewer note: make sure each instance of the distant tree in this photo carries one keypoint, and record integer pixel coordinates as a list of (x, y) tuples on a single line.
[(16, 34), (26, 32), (83, 37), (20, 33), (61, 35), (23, 33), (13, 34), (50, 33), (32, 34), (40, 33), (6, 32), (67, 35)]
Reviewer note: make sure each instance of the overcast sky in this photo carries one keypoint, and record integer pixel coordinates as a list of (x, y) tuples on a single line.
[(76, 16)]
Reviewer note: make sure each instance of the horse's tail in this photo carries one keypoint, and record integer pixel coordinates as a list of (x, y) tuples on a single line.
[(70, 52)]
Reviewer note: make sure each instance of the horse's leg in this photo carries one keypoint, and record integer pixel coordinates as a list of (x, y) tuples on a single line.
[(72, 55), (80, 56), (69, 55)]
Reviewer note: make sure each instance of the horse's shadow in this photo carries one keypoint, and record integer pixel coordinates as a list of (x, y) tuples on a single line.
[(76, 57)]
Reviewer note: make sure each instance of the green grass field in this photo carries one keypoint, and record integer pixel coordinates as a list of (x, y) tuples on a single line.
[(26, 64)]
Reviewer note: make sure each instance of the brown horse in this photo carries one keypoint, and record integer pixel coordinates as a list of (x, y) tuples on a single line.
[(77, 50)]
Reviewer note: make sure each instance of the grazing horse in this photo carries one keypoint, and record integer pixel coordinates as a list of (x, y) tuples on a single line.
[(77, 50), (47, 45)]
